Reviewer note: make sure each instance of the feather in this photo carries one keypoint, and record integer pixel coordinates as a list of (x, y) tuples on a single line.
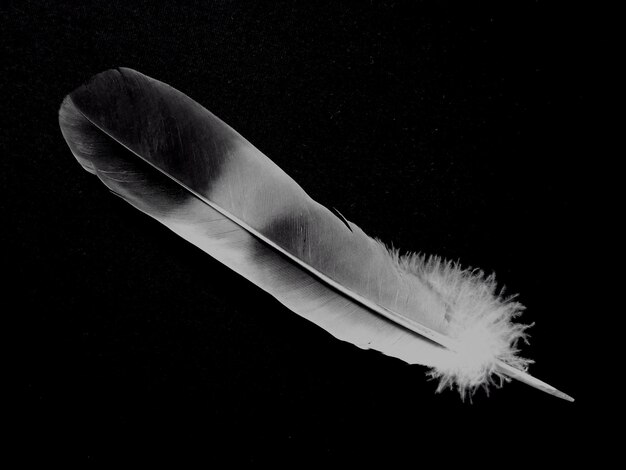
[(175, 161)]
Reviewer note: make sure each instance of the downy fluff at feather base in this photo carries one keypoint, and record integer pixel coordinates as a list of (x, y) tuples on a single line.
[(480, 319)]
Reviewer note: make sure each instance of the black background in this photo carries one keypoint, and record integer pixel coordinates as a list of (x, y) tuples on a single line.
[(446, 130)]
